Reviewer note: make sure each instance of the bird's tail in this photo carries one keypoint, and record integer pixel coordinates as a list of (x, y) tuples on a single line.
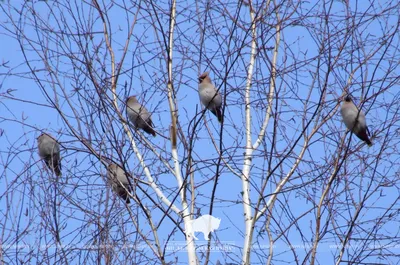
[(218, 112), (54, 165), (57, 170), (150, 130), (57, 166), (363, 136), (124, 195)]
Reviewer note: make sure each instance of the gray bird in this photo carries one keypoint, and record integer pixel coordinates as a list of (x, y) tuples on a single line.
[(139, 115), (118, 181), (209, 96), (357, 125), (49, 151)]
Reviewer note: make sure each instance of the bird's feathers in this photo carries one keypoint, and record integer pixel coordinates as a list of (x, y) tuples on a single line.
[(49, 151), (139, 115), (209, 96), (119, 182), (355, 120)]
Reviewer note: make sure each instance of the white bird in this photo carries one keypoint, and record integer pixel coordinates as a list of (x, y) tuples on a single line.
[(139, 115), (209, 96), (355, 120), (49, 151), (118, 181)]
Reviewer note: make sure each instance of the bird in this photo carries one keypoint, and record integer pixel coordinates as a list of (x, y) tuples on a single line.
[(209, 96), (354, 120), (118, 181), (139, 115), (49, 151)]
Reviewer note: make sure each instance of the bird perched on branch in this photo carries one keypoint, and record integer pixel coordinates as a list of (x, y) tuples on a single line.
[(139, 115), (354, 120), (49, 151), (118, 181), (209, 96)]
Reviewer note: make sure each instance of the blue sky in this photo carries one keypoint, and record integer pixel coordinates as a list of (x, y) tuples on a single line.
[(309, 65)]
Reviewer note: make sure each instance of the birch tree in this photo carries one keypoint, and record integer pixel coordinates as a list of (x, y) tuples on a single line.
[(286, 179)]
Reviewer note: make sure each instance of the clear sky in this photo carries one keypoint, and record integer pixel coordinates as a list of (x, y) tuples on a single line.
[(324, 52)]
